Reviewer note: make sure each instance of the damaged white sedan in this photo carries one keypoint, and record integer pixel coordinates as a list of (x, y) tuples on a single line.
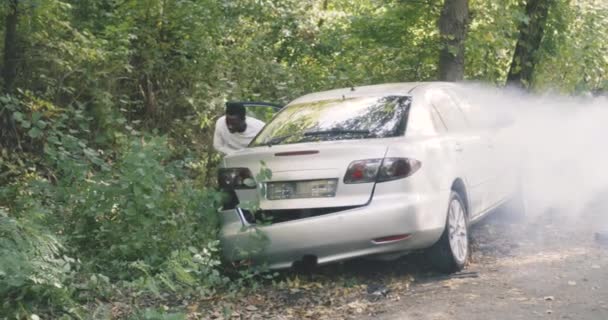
[(376, 171)]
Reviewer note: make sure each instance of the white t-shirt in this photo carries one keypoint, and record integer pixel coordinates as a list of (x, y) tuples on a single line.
[(229, 143)]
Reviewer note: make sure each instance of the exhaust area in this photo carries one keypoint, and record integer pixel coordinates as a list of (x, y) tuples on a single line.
[(306, 264)]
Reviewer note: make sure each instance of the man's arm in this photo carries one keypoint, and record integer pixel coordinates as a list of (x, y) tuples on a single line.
[(218, 142)]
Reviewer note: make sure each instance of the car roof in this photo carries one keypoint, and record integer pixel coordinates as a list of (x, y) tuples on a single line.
[(403, 88)]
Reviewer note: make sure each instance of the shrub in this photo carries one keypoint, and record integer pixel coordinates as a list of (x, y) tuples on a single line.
[(33, 270), (136, 210)]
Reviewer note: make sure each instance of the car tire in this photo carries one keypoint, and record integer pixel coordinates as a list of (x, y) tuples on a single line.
[(451, 253)]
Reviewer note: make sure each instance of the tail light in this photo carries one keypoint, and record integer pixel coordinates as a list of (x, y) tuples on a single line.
[(362, 171), (378, 170), (235, 178), (397, 168)]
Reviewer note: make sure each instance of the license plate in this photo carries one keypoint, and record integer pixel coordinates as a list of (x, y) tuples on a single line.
[(301, 189)]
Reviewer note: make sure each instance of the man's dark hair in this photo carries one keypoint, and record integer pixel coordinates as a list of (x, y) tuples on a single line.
[(235, 109)]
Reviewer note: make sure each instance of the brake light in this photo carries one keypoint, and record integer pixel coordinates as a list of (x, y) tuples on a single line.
[(235, 178), (397, 168), (378, 170), (362, 171)]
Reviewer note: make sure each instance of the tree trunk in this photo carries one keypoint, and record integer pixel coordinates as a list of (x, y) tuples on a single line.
[(323, 8), (9, 71), (528, 43), (8, 133), (453, 29)]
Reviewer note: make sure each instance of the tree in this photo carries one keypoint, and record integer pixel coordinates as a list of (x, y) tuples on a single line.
[(531, 31), (9, 70), (453, 28), (9, 73)]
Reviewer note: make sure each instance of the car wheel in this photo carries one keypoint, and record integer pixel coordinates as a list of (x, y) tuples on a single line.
[(451, 252)]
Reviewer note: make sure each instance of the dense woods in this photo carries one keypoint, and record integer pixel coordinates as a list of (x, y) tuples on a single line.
[(107, 110)]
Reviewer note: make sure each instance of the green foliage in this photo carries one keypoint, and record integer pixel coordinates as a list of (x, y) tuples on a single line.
[(132, 213), (33, 270), (491, 38), (153, 314), (574, 58), (133, 209), (184, 272)]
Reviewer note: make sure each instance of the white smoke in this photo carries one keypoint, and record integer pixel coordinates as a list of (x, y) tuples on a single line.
[(561, 142)]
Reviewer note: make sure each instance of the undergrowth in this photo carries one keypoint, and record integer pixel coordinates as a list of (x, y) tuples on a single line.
[(83, 222)]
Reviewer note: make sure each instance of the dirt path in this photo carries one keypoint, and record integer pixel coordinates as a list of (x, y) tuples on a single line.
[(548, 267)]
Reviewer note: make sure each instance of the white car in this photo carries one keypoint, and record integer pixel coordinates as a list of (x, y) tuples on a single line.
[(374, 171)]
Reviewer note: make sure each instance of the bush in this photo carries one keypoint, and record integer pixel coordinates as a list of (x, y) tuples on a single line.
[(32, 269), (131, 210), (135, 209)]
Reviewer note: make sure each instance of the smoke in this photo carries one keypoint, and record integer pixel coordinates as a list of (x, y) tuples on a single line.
[(560, 143)]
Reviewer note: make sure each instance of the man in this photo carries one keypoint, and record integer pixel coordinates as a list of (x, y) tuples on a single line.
[(235, 130)]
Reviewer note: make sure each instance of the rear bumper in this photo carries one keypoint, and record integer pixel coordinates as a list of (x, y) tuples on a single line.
[(338, 236)]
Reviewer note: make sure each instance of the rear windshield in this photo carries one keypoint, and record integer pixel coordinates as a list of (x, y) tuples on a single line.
[(340, 119)]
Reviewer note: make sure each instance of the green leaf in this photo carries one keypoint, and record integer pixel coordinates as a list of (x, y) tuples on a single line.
[(41, 124), (36, 116), (25, 124), (18, 116), (34, 132), (54, 140)]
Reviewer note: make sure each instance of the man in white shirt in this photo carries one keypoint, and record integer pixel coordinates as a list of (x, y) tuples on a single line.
[(234, 131)]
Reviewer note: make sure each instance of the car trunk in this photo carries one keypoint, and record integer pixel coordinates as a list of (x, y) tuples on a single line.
[(308, 162)]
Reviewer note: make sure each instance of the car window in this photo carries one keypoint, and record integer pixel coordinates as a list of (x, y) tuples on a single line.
[(480, 115), (263, 113), (337, 119), (449, 111)]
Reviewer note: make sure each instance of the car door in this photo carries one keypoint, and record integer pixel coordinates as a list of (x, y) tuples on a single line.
[(263, 111), (470, 145), (487, 123), (505, 164)]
